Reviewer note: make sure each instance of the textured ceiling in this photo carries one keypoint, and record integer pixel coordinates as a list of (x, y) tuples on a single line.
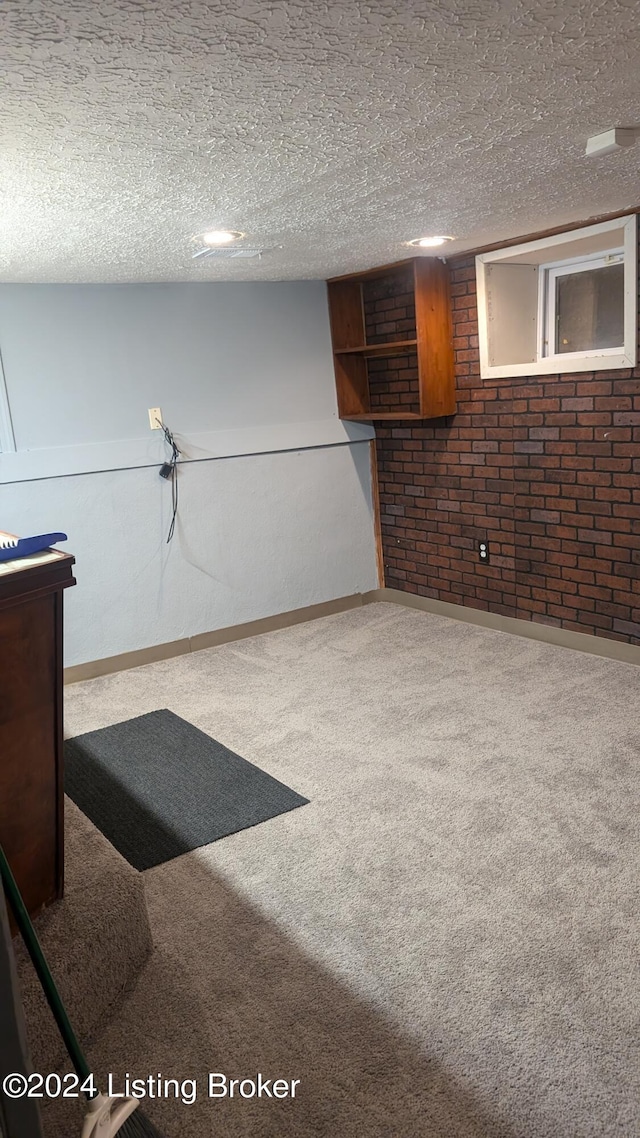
[(329, 132)]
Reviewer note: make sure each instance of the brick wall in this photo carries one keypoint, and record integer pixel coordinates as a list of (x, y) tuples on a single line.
[(546, 469), (390, 314)]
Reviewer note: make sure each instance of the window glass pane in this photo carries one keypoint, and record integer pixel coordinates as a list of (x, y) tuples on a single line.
[(590, 309)]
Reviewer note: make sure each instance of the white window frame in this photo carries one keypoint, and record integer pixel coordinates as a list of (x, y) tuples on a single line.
[(548, 301), (608, 238)]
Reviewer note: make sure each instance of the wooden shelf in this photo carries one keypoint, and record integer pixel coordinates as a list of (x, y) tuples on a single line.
[(371, 416), (391, 348), (423, 315)]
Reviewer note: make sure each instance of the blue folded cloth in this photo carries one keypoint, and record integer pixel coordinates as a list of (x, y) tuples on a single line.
[(12, 547)]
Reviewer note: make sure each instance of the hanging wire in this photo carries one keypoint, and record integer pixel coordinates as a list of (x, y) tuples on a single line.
[(169, 471)]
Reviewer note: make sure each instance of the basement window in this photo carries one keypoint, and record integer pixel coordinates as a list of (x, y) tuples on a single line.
[(563, 303), (583, 306)]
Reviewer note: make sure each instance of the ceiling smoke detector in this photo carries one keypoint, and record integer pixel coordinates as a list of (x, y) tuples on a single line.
[(610, 140)]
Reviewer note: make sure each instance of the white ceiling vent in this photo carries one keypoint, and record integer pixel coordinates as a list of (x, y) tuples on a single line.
[(226, 254)]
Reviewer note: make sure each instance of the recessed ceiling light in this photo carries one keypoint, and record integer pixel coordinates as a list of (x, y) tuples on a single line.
[(221, 236), (428, 242)]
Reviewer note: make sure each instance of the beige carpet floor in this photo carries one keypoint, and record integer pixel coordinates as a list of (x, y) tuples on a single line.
[(444, 943)]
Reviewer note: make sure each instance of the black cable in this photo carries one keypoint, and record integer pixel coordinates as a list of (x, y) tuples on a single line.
[(169, 470), (174, 502)]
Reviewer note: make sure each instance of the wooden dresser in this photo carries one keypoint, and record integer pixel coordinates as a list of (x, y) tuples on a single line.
[(31, 768)]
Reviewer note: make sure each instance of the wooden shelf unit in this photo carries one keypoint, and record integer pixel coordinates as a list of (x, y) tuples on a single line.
[(419, 382), (392, 348)]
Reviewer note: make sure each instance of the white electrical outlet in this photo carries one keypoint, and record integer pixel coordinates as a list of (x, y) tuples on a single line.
[(155, 418)]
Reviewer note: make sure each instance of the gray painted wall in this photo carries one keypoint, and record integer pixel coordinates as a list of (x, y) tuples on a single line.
[(259, 533), (213, 356)]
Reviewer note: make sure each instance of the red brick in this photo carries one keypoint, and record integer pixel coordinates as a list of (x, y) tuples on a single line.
[(581, 403)]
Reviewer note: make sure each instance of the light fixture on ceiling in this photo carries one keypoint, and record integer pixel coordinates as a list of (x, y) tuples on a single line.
[(221, 236), (428, 242)]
